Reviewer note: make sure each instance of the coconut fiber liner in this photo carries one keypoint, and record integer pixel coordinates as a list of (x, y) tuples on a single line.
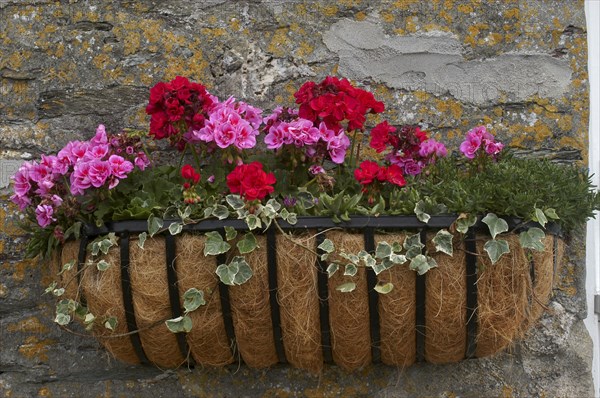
[(291, 312)]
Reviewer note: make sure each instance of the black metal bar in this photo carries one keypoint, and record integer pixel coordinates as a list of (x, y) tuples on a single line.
[(80, 263), (128, 298), (275, 314), (369, 238), (170, 249), (471, 267), (322, 280), (420, 290), (226, 309), (358, 222)]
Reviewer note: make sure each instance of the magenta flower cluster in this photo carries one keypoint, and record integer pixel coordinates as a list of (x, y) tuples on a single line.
[(285, 127), (479, 140), (230, 123), (83, 164)]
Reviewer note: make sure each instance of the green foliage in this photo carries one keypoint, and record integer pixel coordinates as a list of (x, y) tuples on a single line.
[(234, 273), (215, 244), (496, 248)]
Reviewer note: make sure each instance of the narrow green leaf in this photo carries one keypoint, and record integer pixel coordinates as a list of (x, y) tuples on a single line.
[(495, 249), (346, 287), (385, 288), (495, 224), (443, 242)]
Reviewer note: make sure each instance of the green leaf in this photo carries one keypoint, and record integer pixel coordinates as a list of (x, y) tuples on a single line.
[(378, 268), (397, 258), (154, 224), (142, 239), (220, 211), (443, 242), (89, 318), (326, 246), (234, 273), (346, 287), (306, 199), (383, 250), (495, 249), (332, 269), (58, 292), (540, 217), (215, 244), (495, 224), (422, 264), (253, 222), (50, 287), (292, 219), (192, 299), (67, 267), (532, 239), (74, 230), (464, 222), (551, 213), (62, 319), (284, 213), (181, 324), (111, 323), (247, 244), (350, 270), (175, 228), (420, 212), (102, 265), (230, 233), (235, 201), (413, 245), (385, 288), (274, 204)]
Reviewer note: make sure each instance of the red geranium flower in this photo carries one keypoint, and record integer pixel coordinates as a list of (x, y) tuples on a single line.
[(368, 172), (189, 173), (250, 181), (393, 175), (380, 136)]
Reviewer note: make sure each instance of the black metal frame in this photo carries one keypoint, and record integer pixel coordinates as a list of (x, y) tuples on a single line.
[(368, 226)]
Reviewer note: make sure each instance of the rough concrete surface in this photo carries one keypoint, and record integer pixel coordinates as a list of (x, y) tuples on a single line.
[(518, 66)]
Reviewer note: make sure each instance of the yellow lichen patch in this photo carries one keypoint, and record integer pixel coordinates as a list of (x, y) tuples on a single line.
[(512, 13), (330, 10), (445, 106), (34, 348), (565, 122), (279, 43), (304, 49), (101, 61), (405, 4), (44, 392), (498, 111), (493, 38), (20, 268), (465, 8), (569, 142), (411, 23), (435, 27), (388, 17), (28, 325), (421, 95), (360, 16)]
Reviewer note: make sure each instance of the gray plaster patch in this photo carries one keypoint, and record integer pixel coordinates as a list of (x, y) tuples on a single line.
[(435, 63), (8, 167)]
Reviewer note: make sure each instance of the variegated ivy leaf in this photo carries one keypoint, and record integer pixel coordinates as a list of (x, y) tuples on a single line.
[(215, 244), (292, 219), (413, 246), (89, 318), (142, 239), (220, 211), (253, 221), (181, 324), (396, 247), (235, 201), (192, 299), (422, 264), (234, 273), (154, 224), (274, 204), (532, 239), (539, 216), (185, 213), (420, 212), (397, 258), (350, 270), (464, 222), (551, 213), (62, 319), (332, 269), (346, 287), (495, 249), (111, 323), (102, 265), (495, 224), (175, 228), (50, 287), (67, 267), (247, 244), (327, 246), (230, 233), (58, 292), (353, 258), (385, 288), (443, 242), (386, 263), (383, 250)]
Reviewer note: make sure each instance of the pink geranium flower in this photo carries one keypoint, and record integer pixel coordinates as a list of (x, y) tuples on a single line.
[(44, 215)]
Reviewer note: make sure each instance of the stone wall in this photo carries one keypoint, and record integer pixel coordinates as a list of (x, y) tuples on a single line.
[(66, 66)]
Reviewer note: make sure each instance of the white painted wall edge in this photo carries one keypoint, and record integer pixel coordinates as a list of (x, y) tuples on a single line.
[(592, 12)]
